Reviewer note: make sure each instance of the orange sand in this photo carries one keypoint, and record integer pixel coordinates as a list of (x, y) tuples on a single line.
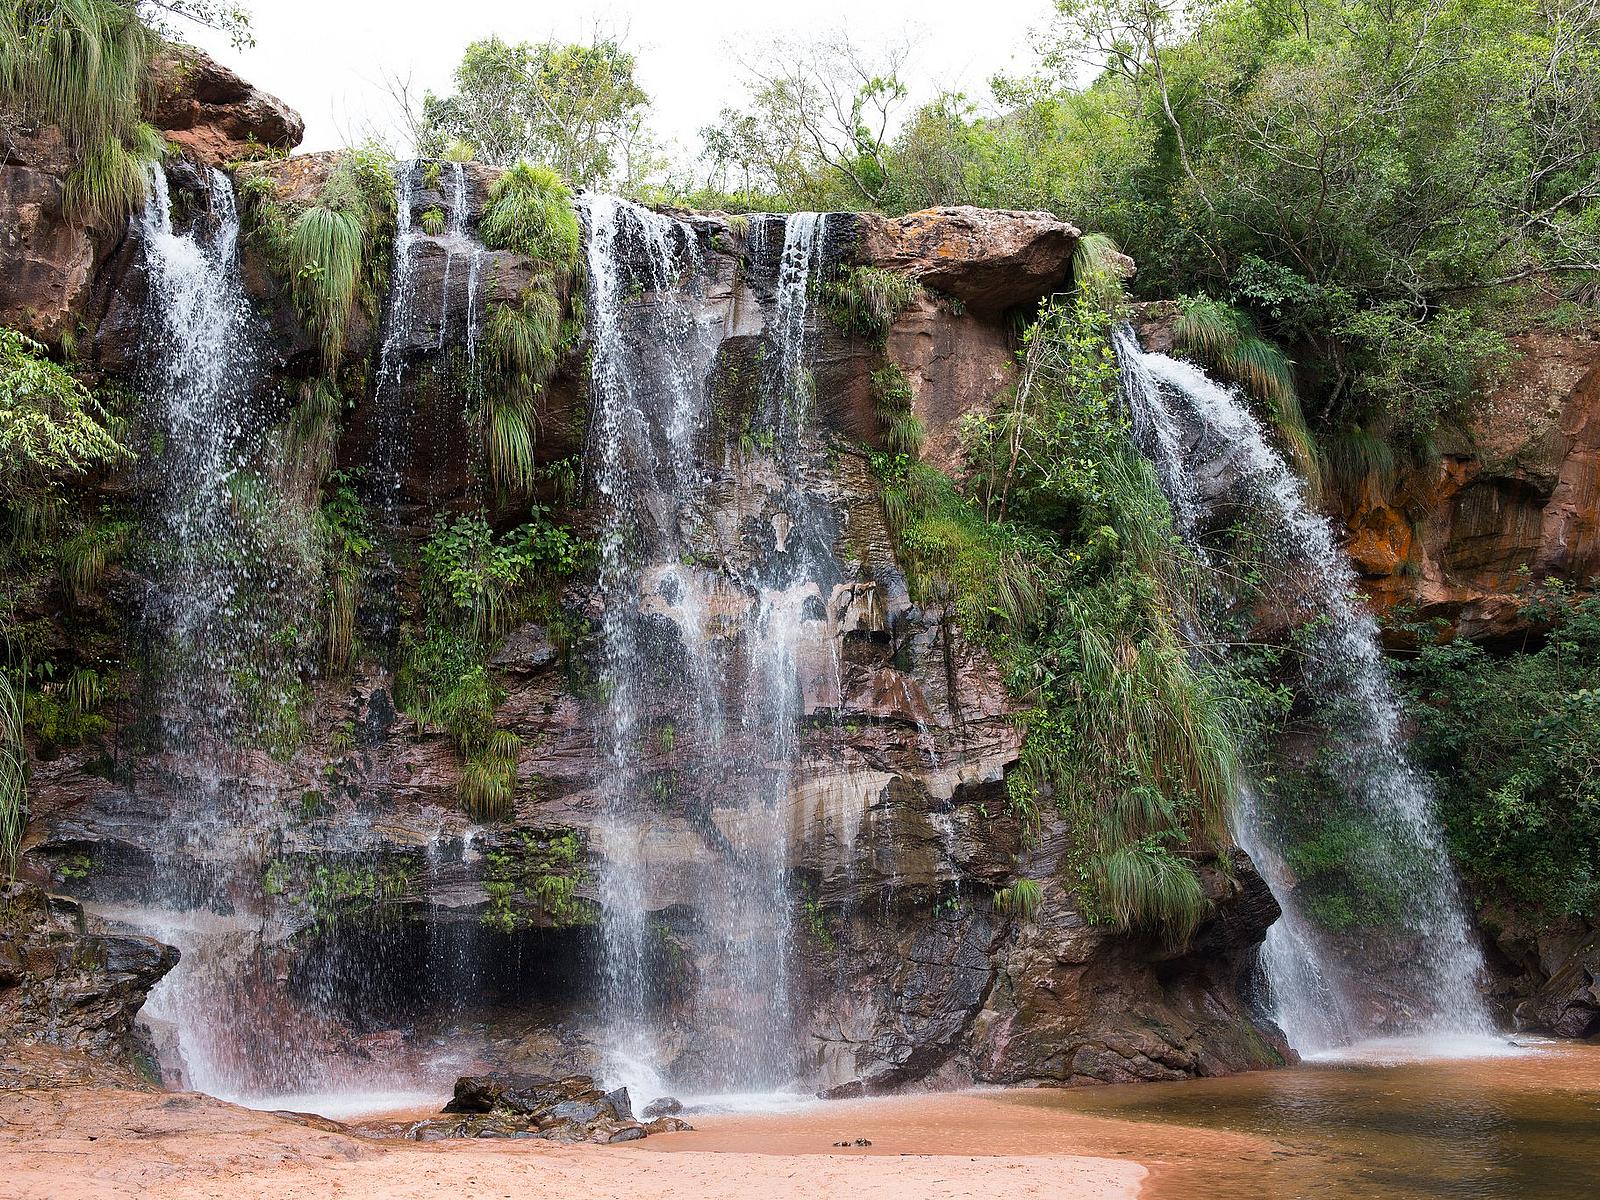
[(78, 1144)]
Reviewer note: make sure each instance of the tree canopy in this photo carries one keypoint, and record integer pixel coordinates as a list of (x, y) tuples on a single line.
[(574, 107)]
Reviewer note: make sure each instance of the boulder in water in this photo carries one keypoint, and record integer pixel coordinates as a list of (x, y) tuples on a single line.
[(664, 1106)]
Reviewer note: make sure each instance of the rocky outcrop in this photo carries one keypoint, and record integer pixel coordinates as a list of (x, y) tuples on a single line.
[(1075, 1002), (1514, 496), (215, 116), (47, 262), (989, 260), (68, 998)]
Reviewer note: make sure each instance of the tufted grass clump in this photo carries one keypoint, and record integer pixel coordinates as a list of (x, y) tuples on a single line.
[(902, 430), (1021, 897), (1097, 271), (1147, 888), (13, 779), (326, 255), (864, 301), (529, 212), (489, 777), (110, 179), (84, 66)]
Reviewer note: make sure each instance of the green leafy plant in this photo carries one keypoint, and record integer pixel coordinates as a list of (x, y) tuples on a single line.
[(50, 424)]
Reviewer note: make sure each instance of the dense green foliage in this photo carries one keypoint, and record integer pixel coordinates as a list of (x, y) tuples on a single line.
[(83, 66), (50, 425), (1513, 741), (52, 429), (575, 107), (1058, 555), (474, 584), (334, 253)]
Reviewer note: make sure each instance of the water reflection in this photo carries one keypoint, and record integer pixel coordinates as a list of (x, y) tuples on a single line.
[(1525, 1127)]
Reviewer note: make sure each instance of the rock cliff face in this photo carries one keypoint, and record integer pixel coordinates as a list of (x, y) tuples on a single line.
[(68, 998), (897, 816), (1514, 496)]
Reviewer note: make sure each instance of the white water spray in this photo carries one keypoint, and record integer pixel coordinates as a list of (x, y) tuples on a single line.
[(1209, 450)]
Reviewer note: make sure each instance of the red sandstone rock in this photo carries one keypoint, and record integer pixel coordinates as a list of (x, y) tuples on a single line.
[(988, 259)]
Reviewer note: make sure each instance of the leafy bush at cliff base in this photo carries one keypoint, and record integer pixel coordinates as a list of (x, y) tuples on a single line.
[(1513, 742), (1058, 555)]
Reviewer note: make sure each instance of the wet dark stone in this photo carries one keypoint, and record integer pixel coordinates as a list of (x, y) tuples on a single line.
[(665, 1106)]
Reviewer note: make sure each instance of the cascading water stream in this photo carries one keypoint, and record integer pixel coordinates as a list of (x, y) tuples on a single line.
[(727, 625), (1210, 452), (200, 383)]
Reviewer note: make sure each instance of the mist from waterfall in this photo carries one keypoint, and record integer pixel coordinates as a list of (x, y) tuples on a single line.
[(703, 641), (1213, 455)]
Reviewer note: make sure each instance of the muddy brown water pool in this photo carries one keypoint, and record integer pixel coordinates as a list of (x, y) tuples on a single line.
[(1523, 1125)]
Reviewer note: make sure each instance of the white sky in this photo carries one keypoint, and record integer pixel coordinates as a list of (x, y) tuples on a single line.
[(327, 58)]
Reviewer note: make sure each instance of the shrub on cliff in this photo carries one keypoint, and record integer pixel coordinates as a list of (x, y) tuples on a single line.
[(530, 212), (1513, 741), (1058, 555)]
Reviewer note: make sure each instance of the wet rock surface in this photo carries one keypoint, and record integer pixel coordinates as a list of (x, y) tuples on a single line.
[(572, 1109), (68, 998)]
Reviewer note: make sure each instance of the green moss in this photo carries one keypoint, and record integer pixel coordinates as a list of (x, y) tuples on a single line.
[(542, 871)]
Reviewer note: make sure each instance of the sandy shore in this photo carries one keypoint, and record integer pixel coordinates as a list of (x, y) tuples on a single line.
[(79, 1143)]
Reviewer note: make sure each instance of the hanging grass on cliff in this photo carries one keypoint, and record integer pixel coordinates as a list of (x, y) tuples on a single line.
[(529, 212), (1058, 554), (333, 252), (84, 67)]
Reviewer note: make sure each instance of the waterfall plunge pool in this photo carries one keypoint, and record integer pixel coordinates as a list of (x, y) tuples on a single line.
[(1524, 1125)]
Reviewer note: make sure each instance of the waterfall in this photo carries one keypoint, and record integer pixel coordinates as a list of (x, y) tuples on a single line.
[(703, 645), (203, 609), (200, 378), (1212, 454)]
